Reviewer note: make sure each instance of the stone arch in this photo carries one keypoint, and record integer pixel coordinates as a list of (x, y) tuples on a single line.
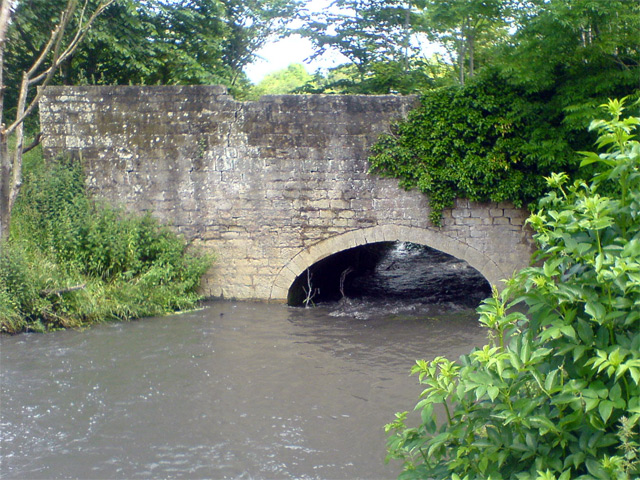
[(383, 233)]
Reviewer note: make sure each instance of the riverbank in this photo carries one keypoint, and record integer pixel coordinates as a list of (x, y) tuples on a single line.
[(70, 262)]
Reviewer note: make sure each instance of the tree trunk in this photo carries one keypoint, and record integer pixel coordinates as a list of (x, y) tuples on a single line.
[(461, 55), (5, 187), (12, 167), (472, 66), (5, 159)]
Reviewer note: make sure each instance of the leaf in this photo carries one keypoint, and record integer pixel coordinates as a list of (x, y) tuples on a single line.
[(543, 424), (584, 331), (566, 475), (590, 403), (568, 331), (596, 310), (596, 469), (631, 249), (493, 392), (549, 382), (592, 157), (605, 408)]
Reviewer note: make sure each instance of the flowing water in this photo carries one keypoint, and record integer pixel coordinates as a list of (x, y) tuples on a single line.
[(235, 390)]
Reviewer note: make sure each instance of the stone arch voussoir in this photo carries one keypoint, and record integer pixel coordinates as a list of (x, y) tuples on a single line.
[(307, 257)]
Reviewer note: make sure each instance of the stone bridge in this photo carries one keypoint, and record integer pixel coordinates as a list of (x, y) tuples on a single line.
[(272, 186)]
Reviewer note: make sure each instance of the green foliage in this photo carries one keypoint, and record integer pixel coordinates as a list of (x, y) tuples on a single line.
[(525, 111), (364, 31), (584, 51), (556, 393), (377, 38), (148, 42), (381, 78), (70, 263), (467, 29), (485, 141), (283, 81), (250, 23)]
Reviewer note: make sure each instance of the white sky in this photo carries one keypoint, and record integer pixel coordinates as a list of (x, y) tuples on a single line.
[(294, 49), (280, 54)]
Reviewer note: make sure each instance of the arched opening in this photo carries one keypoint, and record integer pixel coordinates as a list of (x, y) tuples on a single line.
[(487, 264), (390, 270)]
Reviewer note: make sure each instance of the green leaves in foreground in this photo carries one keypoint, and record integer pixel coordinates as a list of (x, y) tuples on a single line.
[(555, 395)]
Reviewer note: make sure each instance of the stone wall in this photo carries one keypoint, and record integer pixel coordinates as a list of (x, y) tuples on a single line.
[(270, 186)]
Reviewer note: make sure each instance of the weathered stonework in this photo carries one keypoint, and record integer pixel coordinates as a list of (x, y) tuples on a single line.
[(271, 186)]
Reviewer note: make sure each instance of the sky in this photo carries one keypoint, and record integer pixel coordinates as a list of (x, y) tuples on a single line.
[(278, 55)]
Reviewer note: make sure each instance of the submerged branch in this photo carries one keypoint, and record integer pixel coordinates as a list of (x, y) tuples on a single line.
[(60, 291)]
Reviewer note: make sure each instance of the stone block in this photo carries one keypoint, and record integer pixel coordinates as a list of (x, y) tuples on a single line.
[(461, 213), (478, 233), (480, 212), (515, 213), (339, 204), (469, 221)]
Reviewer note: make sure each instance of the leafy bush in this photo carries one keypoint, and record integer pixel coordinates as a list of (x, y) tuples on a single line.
[(556, 392), (485, 141), (71, 263)]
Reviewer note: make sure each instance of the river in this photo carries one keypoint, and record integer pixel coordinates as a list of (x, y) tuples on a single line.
[(236, 390)]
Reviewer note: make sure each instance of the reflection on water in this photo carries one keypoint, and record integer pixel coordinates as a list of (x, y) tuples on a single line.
[(237, 390)]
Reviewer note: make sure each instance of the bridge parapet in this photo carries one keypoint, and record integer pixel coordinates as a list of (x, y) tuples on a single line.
[(271, 186)]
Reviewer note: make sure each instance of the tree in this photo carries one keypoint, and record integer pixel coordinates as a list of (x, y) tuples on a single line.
[(132, 42), (520, 116), (465, 28), (578, 53), (283, 81), (69, 30), (381, 41), (250, 23), (153, 42), (364, 31)]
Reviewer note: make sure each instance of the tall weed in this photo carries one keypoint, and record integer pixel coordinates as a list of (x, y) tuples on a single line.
[(70, 262)]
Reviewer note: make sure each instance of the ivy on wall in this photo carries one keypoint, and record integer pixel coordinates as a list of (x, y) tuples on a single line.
[(486, 141)]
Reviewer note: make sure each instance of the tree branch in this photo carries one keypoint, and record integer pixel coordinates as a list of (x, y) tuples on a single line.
[(34, 144), (56, 38)]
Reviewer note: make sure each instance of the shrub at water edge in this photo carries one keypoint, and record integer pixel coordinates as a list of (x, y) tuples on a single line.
[(70, 262), (555, 395)]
